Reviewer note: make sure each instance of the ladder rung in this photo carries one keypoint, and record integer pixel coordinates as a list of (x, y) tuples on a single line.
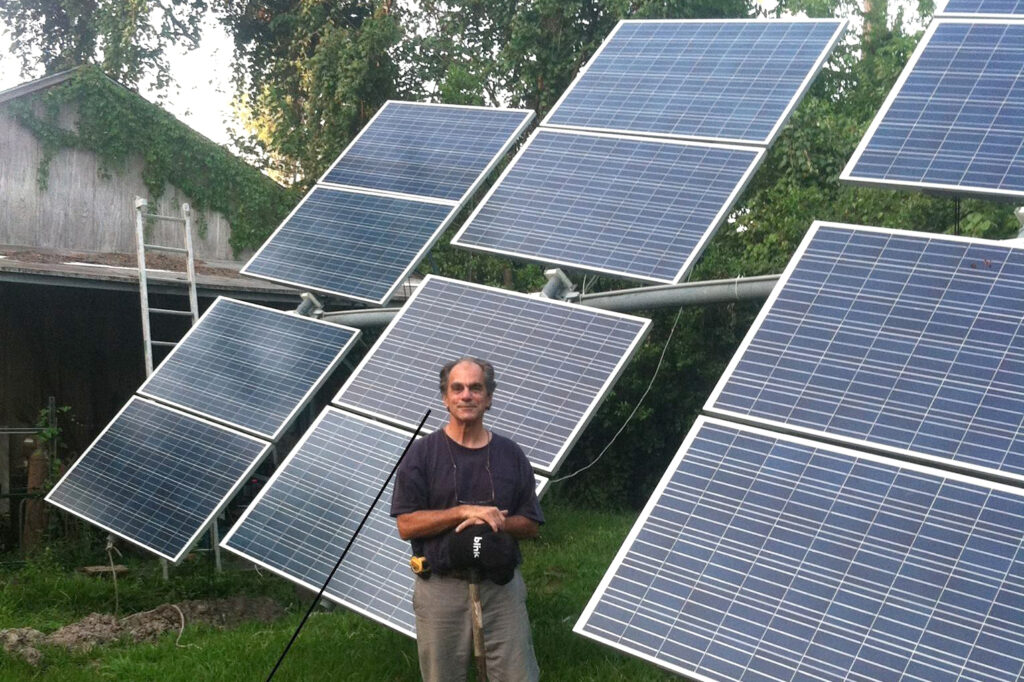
[(172, 249), (166, 311), (165, 344), (172, 218)]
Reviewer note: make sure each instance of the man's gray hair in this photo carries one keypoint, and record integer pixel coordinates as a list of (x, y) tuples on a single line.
[(488, 370)]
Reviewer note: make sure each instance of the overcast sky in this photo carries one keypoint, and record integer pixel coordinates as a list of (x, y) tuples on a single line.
[(200, 95)]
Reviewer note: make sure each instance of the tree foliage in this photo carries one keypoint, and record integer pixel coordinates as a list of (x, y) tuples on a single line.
[(523, 53), (310, 74), (127, 38)]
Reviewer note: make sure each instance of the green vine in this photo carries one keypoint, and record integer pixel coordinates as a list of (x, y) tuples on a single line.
[(114, 123), (51, 427)]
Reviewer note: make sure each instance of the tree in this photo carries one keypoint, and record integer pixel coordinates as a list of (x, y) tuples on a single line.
[(127, 38), (524, 53), (310, 74)]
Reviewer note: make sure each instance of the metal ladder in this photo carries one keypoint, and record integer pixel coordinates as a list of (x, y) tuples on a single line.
[(193, 312), (190, 273)]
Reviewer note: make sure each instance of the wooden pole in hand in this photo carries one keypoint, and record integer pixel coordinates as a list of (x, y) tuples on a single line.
[(479, 651)]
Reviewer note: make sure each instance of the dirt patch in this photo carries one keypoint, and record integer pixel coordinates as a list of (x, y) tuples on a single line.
[(98, 629)]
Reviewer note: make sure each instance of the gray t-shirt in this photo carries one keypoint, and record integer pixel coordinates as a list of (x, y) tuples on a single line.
[(438, 473)]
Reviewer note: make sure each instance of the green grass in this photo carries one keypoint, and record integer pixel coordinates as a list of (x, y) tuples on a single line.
[(562, 569)]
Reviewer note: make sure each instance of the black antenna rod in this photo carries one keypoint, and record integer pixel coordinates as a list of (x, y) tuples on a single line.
[(347, 547)]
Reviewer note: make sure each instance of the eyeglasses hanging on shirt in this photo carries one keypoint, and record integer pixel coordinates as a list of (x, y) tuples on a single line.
[(455, 472)]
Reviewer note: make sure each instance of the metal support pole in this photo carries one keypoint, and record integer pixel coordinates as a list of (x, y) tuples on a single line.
[(310, 306), (623, 300), (559, 286), (215, 540), (680, 295)]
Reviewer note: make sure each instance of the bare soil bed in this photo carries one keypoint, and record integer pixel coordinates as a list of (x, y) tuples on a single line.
[(97, 629)]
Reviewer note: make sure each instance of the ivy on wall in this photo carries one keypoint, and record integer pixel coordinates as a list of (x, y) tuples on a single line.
[(114, 123)]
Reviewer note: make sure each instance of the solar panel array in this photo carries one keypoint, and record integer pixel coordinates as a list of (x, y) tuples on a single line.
[(248, 366), (157, 477), (427, 150), (554, 361), (387, 199), (631, 207), (955, 119), (988, 8), (636, 207), (766, 557), (360, 246), (905, 342), (724, 80)]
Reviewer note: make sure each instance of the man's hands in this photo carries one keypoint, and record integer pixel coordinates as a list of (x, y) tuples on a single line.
[(474, 514), (427, 522)]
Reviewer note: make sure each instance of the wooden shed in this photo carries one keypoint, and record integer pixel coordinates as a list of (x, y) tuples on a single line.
[(70, 324)]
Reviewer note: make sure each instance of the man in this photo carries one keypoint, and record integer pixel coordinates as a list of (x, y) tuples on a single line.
[(457, 477)]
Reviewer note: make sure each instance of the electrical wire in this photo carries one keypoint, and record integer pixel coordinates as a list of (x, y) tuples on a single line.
[(636, 407), (113, 573)]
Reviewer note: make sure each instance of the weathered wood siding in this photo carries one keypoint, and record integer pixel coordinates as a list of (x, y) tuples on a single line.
[(81, 210)]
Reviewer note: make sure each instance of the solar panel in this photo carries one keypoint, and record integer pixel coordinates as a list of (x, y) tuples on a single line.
[(305, 515), (764, 557), (360, 246), (629, 207), (907, 343), (157, 477), (249, 366), (554, 362), (725, 80), (954, 121), (989, 8), (428, 150)]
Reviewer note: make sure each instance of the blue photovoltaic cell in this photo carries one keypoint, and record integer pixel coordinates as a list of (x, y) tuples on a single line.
[(621, 206), (360, 246), (1005, 8), (732, 80), (428, 150), (157, 477), (304, 517), (554, 362), (908, 342), (249, 366), (763, 558), (955, 119)]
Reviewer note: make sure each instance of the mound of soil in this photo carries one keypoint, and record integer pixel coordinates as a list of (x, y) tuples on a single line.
[(97, 629)]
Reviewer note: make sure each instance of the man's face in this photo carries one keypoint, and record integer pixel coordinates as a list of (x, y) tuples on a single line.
[(466, 397)]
